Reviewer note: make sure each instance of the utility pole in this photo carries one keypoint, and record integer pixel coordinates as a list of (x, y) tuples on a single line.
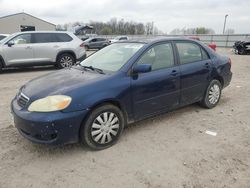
[(225, 21)]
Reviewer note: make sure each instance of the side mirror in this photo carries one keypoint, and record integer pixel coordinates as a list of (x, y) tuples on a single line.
[(141, 68), (10, 43)]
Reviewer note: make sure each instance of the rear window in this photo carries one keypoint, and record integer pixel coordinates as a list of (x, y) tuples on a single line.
[(63, 37), (123, 38), (101, 39), (51, 37)]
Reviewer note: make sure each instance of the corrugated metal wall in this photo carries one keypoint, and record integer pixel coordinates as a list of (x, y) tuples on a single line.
[(219, 40)]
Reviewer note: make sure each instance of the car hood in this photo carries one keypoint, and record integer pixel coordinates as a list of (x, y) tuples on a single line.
[(59, 82)]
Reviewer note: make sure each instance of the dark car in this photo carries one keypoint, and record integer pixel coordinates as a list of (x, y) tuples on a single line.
[(95, 43), (242, 47), (120, 84)]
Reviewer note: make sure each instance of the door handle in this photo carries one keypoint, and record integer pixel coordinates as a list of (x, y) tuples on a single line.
[(28, 48), (207, 65), (174, 73), (56, 46)]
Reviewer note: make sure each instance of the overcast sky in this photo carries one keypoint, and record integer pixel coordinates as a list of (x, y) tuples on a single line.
[(167, 15)]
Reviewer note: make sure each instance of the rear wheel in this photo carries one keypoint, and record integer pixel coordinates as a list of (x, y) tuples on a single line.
[(65, 60), (103, 127), (213, 94)]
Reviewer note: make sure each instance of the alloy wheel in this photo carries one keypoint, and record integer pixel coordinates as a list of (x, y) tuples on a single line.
[(66, 61)]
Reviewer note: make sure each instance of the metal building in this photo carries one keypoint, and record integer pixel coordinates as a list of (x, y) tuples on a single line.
[(24, 22)]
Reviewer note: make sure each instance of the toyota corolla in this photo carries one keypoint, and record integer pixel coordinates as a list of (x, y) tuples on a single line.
[(125, 82)]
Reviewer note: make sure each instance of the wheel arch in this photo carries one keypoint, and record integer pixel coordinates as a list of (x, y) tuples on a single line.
[(101, 103), (66, 52), (220, 79), (2, 61)]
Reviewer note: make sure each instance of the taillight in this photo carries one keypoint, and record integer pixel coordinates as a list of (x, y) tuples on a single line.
[(82, 45)]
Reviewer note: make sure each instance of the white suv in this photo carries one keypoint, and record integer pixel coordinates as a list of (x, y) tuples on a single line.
[(38, 48)]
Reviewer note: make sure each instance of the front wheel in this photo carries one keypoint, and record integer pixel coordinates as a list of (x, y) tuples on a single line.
[(213, 94), (103, 127), (241, 51)]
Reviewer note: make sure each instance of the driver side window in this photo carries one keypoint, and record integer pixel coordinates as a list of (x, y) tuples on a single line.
[(22, 39), (159, 57)]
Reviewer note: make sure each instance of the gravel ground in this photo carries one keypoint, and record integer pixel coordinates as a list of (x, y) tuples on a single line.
[(171, 150)]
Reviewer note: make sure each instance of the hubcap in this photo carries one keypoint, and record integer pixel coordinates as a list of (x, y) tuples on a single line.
[(105, 127), (66, 61), (214, 94)]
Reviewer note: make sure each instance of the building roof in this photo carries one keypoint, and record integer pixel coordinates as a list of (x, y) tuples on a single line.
[(20, 13)]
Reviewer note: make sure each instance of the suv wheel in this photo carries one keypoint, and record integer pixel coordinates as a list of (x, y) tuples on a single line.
[(212, 95), (103, 127), (65, 60)]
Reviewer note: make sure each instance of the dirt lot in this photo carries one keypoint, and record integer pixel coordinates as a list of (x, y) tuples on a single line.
[(171, 150)]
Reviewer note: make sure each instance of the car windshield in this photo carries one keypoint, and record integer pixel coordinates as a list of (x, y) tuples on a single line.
[(113, 57), (7, 38)]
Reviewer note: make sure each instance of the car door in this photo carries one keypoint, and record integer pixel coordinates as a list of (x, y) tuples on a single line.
[(93, 43), (195, 67), (19, 50), (45, 47), (158, 89)]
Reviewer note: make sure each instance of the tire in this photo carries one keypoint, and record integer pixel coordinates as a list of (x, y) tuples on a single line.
[(98, 134), (241, 51), (65, 60), (213, 94)]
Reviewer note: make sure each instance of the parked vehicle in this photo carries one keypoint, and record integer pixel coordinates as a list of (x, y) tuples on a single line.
[(118, 38), (95, 43), (35, 48), (2, 36), (120, 84), (241, 47), (211, 45)]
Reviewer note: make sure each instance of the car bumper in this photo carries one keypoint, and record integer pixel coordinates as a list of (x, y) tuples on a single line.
[(82, 57), (227, 79), (48, 128)]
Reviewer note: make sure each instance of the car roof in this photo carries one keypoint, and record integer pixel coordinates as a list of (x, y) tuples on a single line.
[(43, 32), (157, 39)]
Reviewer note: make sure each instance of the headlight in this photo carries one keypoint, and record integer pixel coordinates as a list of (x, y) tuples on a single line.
[(50, 104)]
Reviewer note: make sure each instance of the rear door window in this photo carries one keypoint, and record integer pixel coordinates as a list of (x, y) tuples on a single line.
[(43, 38), (189, 52)]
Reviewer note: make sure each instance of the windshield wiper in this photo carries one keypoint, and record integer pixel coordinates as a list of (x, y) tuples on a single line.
[(93, 69)]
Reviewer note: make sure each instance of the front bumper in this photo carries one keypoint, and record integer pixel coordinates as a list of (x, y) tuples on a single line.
[(82, 57), (48, 128)]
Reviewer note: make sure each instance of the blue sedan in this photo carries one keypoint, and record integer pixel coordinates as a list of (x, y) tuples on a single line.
[(125, 82)]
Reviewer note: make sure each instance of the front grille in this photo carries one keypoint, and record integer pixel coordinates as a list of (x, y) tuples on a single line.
[(22, 100)]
